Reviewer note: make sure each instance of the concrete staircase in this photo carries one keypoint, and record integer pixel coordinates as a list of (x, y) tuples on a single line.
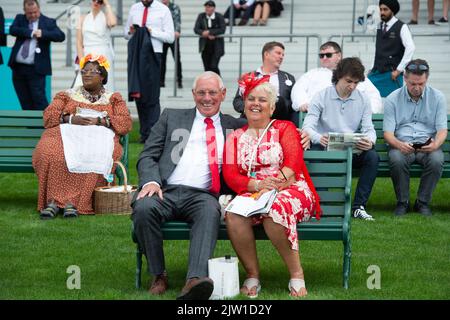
[(321, 17)]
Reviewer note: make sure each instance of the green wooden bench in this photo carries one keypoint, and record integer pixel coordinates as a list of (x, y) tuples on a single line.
[(382, 149), (20, 131), (331, 174)]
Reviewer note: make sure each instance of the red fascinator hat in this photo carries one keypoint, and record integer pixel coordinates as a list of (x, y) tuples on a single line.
[(249, 81)]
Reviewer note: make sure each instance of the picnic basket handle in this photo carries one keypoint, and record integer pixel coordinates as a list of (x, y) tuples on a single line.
[(124, 171)]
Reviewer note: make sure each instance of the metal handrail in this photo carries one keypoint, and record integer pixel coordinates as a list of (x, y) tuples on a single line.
[(241, 37), (66, 11), (359, 35), (231, 18)]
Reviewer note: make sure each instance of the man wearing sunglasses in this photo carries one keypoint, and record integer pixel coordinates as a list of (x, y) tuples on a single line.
[(317, 79), (394, 47), (415, 127)]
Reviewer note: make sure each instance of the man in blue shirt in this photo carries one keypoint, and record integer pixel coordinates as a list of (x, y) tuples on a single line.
[(343, 108), (415, 127)]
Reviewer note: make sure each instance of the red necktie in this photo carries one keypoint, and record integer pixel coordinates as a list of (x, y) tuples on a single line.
[(144, 17), (213, 159)]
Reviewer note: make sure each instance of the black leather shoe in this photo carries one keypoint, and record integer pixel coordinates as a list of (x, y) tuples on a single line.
[(197, 289), (422, 208), (401, 209)]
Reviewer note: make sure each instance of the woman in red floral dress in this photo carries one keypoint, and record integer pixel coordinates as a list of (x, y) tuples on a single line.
[(264, 155)]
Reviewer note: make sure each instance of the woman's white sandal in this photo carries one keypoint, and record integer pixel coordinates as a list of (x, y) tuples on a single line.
[(249, 284), (296, 284)]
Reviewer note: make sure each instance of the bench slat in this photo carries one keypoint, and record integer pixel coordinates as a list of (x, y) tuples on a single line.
[(18, 143), (21, 122), (16, 152), (26, 133)]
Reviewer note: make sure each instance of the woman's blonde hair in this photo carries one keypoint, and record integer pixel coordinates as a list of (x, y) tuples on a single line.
[(269, 90)]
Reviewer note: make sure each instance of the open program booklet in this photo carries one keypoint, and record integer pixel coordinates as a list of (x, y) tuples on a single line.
[(338, 141), (247, 206)]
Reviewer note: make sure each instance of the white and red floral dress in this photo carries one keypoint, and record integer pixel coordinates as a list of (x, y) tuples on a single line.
[(280, 147)]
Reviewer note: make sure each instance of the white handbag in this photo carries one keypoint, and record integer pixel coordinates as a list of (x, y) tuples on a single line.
[(225, 274)]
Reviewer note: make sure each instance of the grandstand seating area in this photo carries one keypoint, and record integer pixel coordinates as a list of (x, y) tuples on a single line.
[(323, 18)]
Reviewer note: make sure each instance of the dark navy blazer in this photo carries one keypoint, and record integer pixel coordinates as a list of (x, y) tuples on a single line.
[(50, 32)]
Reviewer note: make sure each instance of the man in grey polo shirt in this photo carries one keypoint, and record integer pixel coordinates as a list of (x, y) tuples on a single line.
[(343, 108), (415, 127)]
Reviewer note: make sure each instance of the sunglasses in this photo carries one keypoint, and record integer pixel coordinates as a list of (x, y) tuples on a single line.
[(415, 67), (92, 71), (328, 55), (98, 1)]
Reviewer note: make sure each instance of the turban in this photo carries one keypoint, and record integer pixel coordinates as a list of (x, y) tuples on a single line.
[(391, 4)]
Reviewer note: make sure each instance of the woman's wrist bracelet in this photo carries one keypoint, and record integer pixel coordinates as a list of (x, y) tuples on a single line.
[(257, 185)]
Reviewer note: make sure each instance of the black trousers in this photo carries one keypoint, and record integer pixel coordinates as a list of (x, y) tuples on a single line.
[(166, 47), (367, 162), (209, 58), (30, 87)]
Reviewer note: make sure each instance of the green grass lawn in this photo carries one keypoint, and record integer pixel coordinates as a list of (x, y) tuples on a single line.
[(413, 253)]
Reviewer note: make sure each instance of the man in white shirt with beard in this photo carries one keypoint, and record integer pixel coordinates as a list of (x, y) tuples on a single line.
[(317, 79)]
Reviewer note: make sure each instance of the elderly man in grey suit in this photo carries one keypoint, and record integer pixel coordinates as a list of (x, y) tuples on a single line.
[(179, 179)]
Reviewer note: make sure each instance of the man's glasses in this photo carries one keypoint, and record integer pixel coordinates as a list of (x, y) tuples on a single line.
[(94, 71), (328, 55), (417, 67), (202, 93)]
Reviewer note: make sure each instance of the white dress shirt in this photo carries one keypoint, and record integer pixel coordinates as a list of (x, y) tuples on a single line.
[(32, 49), (273, 79), (318, 79), (159, 19), (407, 41), (193, 168)]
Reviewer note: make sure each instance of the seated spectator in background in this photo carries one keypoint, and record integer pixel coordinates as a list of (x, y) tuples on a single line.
[(342, 108), (69, 183), (394, 47), (316, 80), (183, 187), (242, 9), (208, 26), (415, 12), (272, 58), (30, 55), (415, 127), (94, 36), (176, 17), (261, 156), (2, 33), (265, 9)]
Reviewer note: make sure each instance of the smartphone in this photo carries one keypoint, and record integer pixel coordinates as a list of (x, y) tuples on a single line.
[(420, 145)]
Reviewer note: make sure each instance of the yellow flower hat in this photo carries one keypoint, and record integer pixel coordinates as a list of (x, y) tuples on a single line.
[(100, 59)]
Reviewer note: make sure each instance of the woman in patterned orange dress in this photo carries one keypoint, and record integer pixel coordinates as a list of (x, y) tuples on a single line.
[(59, 188), (264, 155)]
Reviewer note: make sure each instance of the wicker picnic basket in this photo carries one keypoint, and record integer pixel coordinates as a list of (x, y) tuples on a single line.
[(114, 202)]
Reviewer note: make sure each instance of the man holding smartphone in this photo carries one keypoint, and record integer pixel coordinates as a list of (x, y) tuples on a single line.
[(415, 127)]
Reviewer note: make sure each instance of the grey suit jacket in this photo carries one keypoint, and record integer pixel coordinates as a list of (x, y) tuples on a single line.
[(156, 162), (283, 107)]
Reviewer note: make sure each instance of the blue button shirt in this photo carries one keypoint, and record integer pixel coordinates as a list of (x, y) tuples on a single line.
[(328, 112), (415, 121)]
